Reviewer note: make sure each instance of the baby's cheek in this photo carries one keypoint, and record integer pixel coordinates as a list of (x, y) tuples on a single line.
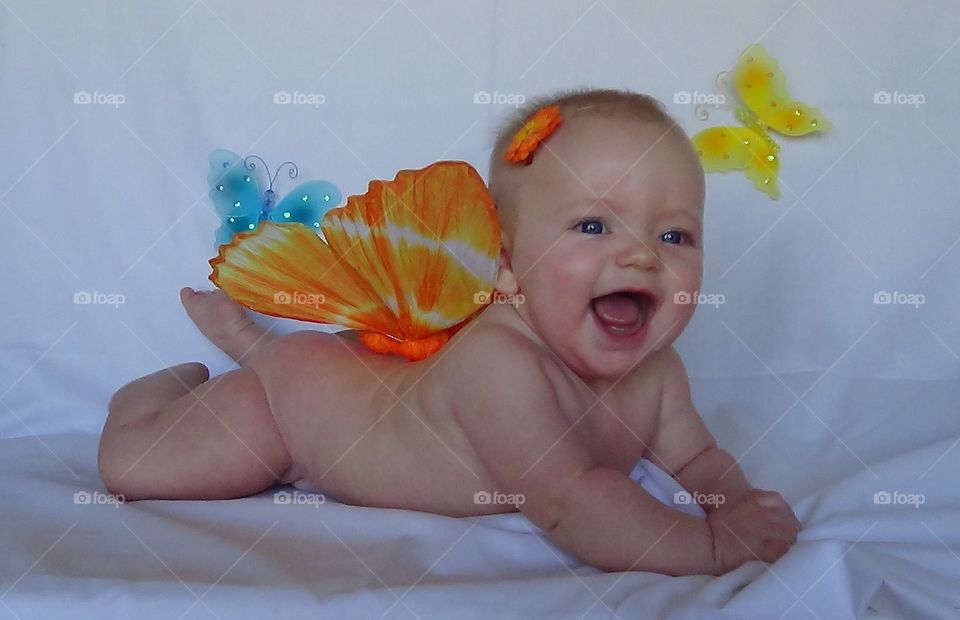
[(574, 277), (554, 290), (688, 278)]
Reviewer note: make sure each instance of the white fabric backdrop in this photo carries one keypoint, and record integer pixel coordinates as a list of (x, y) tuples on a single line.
[(113, 200), (799, 371)]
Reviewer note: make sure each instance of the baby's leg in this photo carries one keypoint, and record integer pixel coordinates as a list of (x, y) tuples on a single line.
[(226, 324), (148, 394), (215, 441)]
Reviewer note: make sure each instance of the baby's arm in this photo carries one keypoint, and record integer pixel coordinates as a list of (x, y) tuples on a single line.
[(746, 523), (684, 447), (515, 424)]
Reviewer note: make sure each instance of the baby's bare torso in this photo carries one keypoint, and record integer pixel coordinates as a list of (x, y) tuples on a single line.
[(380, 431)]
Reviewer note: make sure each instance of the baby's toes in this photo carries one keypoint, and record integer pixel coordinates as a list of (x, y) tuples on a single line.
[(196, 303), (187, 297)]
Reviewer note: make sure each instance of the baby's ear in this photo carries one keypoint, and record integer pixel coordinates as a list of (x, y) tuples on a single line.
[(506, 280)]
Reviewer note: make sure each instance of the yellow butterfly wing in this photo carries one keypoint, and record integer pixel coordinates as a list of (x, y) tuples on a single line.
[(406, 259), (726, 149), (763, 89)]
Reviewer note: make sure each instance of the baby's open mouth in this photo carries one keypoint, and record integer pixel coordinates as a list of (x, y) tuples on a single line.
[(623, 313)]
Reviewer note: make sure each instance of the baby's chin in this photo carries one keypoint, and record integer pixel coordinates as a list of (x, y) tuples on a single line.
[(594, 354), (615, 364)]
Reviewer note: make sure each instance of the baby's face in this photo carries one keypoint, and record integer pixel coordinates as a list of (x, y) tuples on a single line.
[(608, 204)]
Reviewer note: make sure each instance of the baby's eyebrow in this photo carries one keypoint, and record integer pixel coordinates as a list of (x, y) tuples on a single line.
[(668, 213), (597, 205)]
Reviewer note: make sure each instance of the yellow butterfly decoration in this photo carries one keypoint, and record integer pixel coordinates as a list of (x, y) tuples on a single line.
[(762, 88)]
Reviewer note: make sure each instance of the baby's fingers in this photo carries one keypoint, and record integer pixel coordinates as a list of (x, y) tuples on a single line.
[(781, 510), (794, 522), (785, 532), (785, 518), (772, 550), (771, 499)]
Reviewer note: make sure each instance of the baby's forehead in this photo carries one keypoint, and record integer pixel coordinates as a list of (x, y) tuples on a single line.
[(613, 118), (596, 152), (612, 149)]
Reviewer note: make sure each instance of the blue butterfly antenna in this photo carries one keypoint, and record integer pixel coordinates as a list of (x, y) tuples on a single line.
[(269, 196), (293, 173)]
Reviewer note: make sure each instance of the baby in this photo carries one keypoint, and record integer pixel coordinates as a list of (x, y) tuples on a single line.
[(553, 398)]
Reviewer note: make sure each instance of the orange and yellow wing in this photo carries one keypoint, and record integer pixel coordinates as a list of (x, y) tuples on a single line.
[(406, 260)]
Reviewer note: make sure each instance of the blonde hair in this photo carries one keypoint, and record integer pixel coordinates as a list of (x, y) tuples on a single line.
[(572, 103)]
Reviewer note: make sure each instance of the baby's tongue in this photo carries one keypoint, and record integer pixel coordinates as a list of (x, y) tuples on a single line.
[(617, 308)]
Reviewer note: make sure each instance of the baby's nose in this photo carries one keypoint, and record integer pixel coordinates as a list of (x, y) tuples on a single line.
[(640, 254)]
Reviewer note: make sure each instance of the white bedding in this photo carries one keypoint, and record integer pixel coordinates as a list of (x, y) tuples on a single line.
[(823, 394), (255, 557)]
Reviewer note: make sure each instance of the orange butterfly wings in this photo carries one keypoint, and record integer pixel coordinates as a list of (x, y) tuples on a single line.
[(405, 263)]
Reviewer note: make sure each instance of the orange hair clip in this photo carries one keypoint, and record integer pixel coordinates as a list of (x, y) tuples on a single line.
[(537, 129)]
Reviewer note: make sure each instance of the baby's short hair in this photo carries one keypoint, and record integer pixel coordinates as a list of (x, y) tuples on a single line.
[(573, 103)]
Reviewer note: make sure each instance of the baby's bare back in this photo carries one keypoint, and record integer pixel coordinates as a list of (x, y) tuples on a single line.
[(381, 431)]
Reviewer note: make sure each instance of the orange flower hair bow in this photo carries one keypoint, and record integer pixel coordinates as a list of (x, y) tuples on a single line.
[(537, 129)]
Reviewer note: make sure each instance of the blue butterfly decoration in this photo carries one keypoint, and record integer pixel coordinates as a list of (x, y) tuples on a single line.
[(241, 207)]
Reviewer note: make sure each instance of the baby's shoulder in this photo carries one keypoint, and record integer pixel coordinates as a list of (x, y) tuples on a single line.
[(486, 352), (648, 378), (493, 343)]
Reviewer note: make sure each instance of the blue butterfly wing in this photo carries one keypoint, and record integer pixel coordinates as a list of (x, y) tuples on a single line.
[(235, 194), (233, 224), (306, 203)]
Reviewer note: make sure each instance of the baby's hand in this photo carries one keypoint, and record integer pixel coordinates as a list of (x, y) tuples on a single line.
[(757, 524)]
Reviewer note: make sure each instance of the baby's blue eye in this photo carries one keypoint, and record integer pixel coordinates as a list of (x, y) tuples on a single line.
[(591, 227), (673, 236)]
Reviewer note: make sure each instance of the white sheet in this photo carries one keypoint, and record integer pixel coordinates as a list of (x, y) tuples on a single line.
[(824, 395), (254, 557)]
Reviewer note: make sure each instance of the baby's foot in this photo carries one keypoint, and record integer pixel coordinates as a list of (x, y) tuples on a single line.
[(224, 322)]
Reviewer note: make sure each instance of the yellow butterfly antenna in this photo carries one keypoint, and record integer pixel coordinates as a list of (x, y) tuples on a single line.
[(726, 91)]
